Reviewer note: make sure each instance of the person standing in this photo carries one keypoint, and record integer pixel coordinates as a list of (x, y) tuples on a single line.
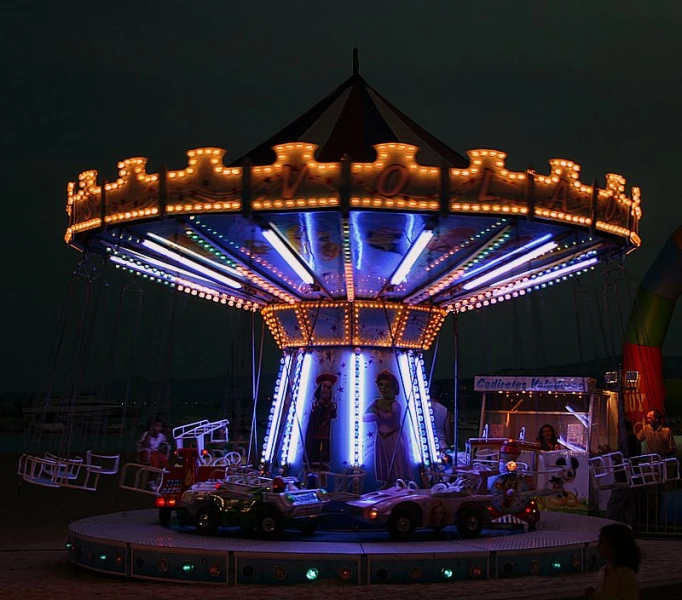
[(659, 439)]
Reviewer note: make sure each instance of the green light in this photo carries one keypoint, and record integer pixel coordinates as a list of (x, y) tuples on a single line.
[(69, 545), (188, 567), (102, 556), (312, 574), (446, 573), (556, 565)]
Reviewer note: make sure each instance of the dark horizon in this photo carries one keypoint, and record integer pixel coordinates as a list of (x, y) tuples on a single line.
[(87, 87)]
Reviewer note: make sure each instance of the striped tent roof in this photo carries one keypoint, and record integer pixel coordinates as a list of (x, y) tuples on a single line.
[(350, 121)]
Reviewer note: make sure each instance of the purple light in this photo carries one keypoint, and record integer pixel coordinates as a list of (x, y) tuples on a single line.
[(510, 266), (514, 252), (522, 285), (191, 264)]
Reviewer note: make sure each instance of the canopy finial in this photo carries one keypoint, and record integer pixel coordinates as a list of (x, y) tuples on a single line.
[(356, 62)]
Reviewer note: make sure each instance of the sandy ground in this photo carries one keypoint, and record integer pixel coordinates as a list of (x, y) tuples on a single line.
[(34, 562)]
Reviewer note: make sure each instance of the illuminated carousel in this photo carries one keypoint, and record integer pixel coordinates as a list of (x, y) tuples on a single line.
[(354, 232)]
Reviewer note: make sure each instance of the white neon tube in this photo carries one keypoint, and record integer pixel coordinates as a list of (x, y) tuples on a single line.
[(405, 376), (357, 425), (411, 257), (301, 395), (570, 446), (191, 264), (508, 255), (510, 266), (426, 411), (285, 252), (195, 255), (277, 409), (131, 254), (291, 413), (578, 416), (546, 277)]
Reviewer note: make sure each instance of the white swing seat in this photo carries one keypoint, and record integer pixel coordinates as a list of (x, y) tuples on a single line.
[(646, 470), (106, 464), (611, 471), (30, 470), (61, 468), (136, 477), (671, 469), (56, 472)]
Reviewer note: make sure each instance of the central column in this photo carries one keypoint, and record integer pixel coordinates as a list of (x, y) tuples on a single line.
[(351, 400)]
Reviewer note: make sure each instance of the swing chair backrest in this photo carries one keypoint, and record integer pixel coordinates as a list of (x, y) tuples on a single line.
[(54, 471), (107, 465), (611, 470), (61, 468)]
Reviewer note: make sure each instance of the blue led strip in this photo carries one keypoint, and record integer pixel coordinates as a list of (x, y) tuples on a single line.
[(276, 411), (418, 402), (357, 424), (426, 409), (296, 410), (291, 413), (411, 390)]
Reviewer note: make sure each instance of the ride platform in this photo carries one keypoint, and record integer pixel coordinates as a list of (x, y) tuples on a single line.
[(133, 545)]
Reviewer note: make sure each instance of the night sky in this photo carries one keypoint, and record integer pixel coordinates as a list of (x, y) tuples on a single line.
[(86, 84)]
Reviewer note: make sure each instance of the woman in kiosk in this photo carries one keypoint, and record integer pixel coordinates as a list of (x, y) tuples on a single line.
[(547, 438)]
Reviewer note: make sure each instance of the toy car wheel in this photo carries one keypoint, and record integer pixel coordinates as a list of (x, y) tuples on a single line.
[(268, 523), (164, 516), (401, 525), (207, 520), (309, 528), (469, 522)]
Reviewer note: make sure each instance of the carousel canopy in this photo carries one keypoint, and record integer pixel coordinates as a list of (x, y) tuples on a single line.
[(353, 201)]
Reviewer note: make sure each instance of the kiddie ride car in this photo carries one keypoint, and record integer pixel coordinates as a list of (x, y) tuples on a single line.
[(194, 464), (253, 502), (404, 507)]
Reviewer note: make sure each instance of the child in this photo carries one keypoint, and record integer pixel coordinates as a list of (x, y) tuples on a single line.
[(152, 447), (616, 580)]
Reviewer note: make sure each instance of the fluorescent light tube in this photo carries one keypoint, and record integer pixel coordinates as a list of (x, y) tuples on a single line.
[(286, 253), (411, 257)]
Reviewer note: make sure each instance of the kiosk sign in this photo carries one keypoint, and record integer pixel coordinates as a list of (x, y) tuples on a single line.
[(485, 383)]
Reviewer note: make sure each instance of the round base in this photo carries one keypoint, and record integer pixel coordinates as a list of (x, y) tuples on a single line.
[(132, 544)]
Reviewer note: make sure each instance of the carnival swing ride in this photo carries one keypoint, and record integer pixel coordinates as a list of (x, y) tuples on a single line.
[(354, 232)]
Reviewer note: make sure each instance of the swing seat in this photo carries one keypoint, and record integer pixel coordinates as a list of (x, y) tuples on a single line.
[(58, 468), (30, 470), (56, 472), (136, 477), (611, 471), (105, 464), (647, 469)]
